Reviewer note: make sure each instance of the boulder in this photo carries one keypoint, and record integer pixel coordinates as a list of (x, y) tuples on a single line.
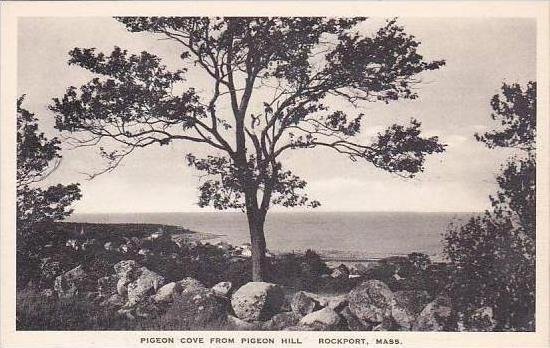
[(337, 303), (235, 323), (195, 307), (436, 316), (167, 292), (222, 288), (70, 283), (407, 305), (148, 282), (107, 286), (303, 304), (324, 319), (125, 268), (189, 283), (371, 301), (353, 323), (257, 301), (301, 328), (122, 286), (282, 321)]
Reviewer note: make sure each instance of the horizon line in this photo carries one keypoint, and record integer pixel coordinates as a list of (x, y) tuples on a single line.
[(279, 212)]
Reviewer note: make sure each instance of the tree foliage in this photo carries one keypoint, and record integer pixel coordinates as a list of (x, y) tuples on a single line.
[(494, 254), (37, 157)]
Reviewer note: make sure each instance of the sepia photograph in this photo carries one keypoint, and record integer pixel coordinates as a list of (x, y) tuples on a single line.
[(292, 173)]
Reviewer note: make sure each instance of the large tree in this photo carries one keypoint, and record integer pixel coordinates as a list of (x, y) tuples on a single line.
[(37, 157), (494, 254), (277, 84)]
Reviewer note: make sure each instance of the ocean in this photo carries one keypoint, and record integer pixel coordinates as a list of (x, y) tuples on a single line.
[(335, 235)]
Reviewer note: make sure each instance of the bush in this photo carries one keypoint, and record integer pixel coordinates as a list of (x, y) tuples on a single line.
[(493, 255), (37, 312)]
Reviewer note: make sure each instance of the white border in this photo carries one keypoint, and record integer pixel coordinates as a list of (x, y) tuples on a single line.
[(12, 10)]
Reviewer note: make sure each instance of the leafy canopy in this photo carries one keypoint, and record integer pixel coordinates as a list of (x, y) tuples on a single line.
[(284, 80), (494, 254), (38, 157)]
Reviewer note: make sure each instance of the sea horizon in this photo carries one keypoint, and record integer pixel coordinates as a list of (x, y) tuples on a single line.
[(334, 235)]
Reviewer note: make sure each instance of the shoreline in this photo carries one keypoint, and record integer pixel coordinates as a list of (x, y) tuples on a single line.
[(179, 232)]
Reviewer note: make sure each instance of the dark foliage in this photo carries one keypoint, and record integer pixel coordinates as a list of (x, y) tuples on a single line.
[(494, 254), (37, 157)]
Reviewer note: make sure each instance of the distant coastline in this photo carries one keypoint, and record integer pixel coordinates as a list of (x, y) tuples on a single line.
[(362, 236)]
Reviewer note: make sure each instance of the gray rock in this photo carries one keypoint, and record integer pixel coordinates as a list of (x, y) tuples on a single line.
[(147, 283), (222, 289), (167, 292), (282, 321), (195, 307), (189, 283), (303, 304), (257, 301), (353, 323), (301, 328), (122, 286), (238, 324), (126, 268), (70, 283), (436, 316), (371, 301), (337, 303), (324, 319), (407, 305)]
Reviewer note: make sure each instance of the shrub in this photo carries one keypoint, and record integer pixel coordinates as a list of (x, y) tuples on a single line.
[(36, 312), (493, 255)]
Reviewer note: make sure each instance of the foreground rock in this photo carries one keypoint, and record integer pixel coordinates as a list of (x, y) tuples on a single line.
[(353, 323), (282, 321), (147, 283), (257, 301), (303, 304), (436, 316), (167, 292), (235, 323), (70, 283), (371, 302), (195, 307), (222, 288), (324, 319), (407, 306)]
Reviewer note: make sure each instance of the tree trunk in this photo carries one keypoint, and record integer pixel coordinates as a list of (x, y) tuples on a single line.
[(257, 240)]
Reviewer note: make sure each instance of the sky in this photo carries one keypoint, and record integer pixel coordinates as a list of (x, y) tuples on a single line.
[(453, 104)]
